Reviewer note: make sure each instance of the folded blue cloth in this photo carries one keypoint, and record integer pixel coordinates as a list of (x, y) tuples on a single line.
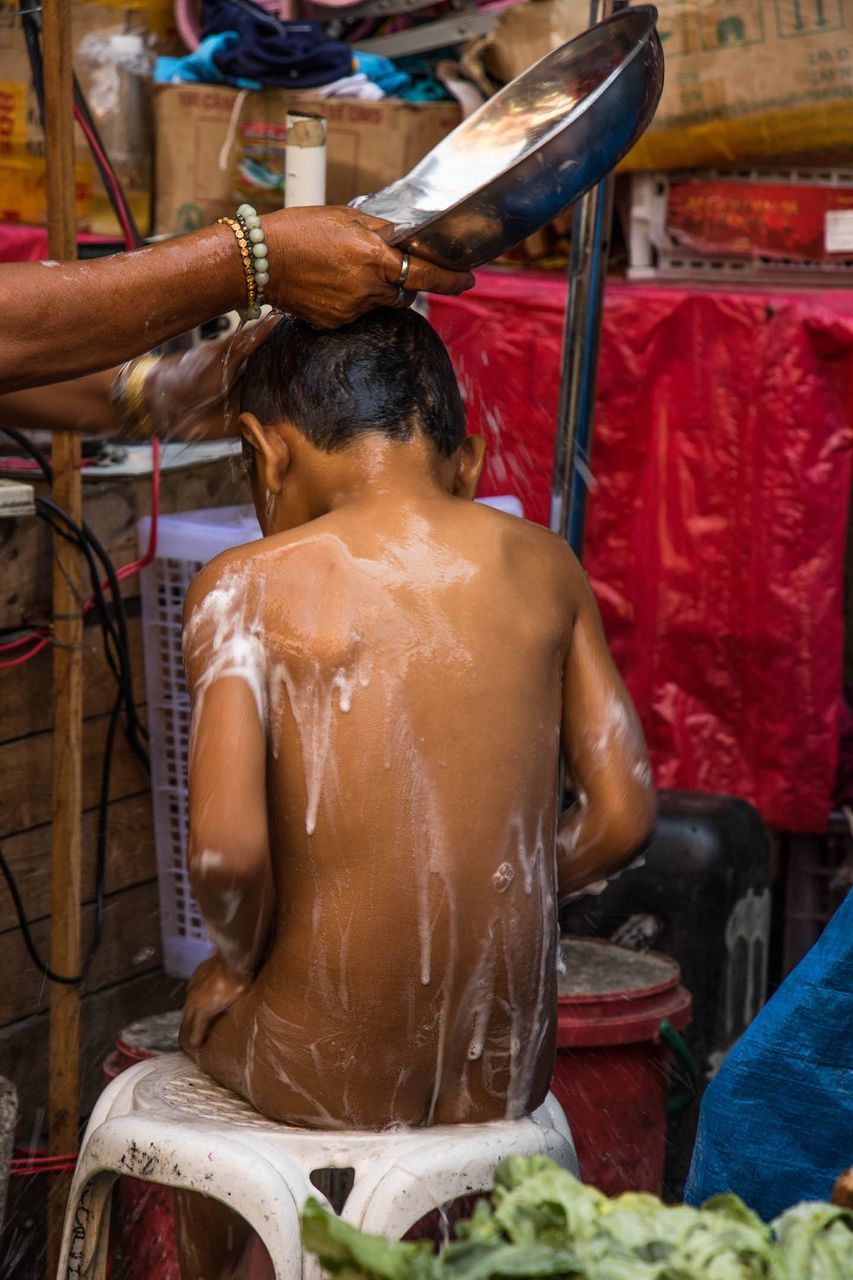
[(289, 55), (424, 86), (201, 66), (382, 71), (776, 1124), (426, 89)]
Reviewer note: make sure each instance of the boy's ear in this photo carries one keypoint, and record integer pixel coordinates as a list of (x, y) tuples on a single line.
[(272, 456), (470, 457)]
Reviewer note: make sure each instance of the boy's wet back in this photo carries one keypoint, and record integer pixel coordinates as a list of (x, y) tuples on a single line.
[(380, 689)]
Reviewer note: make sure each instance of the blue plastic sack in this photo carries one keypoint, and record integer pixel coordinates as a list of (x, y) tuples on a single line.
[(776, 1124)]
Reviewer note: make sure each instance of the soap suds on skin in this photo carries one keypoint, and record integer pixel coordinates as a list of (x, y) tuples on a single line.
[(503, 877), (310, 695), (208, 860), (232, 635)]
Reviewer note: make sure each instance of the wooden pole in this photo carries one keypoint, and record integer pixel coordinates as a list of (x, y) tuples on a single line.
[(65, 950)]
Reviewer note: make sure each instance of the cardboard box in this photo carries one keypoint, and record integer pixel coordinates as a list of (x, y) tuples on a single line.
[(217, 147), (745, 80), (521, 36), (751, 79), (118, 101)]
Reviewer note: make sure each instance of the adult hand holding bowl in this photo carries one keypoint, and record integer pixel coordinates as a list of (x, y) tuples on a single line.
[(62, 320)]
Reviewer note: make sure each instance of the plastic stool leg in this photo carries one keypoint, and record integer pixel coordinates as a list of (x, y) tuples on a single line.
[(390, 1200), (85, 1235)]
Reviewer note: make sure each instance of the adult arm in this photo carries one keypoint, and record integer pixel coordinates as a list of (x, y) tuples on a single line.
[(191, 395), (83, 404), (62, 320), (605, 756)]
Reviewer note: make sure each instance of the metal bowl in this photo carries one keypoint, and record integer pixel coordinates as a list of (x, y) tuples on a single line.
[(532, 149)]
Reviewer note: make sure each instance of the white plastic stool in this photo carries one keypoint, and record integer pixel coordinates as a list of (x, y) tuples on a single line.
[(165, 1121)]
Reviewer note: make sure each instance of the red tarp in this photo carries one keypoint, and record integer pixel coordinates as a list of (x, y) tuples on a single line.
[(20, 243), (715, 538)]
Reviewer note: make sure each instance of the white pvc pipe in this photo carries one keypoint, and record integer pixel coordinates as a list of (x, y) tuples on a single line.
[(305, 161)]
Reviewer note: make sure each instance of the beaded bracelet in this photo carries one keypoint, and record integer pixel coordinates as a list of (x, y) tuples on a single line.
[(253, 254), (252, 221)]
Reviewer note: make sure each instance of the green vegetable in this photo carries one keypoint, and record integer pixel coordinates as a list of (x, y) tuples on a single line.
[(815, 1242), (542, 1222), (347, 1252)]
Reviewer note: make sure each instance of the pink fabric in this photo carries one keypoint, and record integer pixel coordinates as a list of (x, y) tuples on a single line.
[(716, 536), (19, 243)]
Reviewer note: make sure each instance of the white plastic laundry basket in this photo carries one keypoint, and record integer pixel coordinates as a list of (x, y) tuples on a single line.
[(185, 543)]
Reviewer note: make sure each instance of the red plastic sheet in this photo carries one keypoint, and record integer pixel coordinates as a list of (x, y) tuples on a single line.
[(716, 531), (20, 243)]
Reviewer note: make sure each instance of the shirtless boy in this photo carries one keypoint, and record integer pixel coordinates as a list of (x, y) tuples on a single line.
[(380, 689)]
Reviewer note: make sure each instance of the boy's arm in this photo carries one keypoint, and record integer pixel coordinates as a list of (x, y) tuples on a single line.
[(229, 857), (605, 755)]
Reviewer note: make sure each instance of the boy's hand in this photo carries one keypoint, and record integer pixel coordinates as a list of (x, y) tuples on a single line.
[(212, 990)]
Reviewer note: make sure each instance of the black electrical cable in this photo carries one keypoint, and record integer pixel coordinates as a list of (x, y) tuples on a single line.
[(100, 873), (33, 450), (25, 930), (109, 177), (103, 804), (30, 13), (115, 627), (137, 733), (117, 653)]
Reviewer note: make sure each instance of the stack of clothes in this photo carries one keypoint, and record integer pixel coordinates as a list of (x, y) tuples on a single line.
[(247, 46)]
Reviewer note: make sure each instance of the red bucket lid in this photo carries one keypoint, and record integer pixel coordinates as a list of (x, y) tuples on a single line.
[(610, 995), (150, 1036)]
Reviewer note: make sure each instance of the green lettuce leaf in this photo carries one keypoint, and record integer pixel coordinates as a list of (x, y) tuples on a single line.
[(349, 1253), (541, 1222), (815, 1242), (488, 1260)]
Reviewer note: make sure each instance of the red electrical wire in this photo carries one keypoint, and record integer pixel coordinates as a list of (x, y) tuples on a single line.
[(12, 463), (130, 241), (151, 549), (16, 644), (127, 230), (40, 1155), (25, 657), (30, 1160), (126, 571)]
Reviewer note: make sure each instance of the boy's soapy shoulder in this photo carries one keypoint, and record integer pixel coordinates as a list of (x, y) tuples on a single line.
[(532, 548), (236, 566)]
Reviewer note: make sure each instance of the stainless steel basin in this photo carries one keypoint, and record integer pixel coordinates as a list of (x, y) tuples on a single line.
[(532, 149)]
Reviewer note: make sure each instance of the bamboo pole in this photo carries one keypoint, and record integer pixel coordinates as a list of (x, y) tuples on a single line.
[(65, 949)]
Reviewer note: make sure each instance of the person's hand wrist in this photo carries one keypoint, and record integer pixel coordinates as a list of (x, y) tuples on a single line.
[(330, 265)]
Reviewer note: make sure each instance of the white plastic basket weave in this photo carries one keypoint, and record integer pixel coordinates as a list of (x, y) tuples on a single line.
[(185, 543)]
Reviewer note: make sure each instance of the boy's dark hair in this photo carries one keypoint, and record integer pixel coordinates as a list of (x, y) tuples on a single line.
[(388, 371)]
